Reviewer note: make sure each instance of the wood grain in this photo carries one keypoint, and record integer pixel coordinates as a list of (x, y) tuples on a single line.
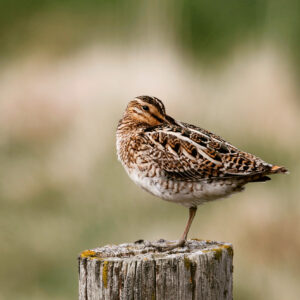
[(200, 270)]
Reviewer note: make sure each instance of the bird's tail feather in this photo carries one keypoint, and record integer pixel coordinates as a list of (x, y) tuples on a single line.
[(278, 169)]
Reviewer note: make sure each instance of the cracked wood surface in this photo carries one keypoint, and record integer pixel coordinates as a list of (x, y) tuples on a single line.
[(200, 270)]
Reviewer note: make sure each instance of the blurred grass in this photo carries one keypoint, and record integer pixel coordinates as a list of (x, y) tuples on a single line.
[(68, 70), (208, 31)]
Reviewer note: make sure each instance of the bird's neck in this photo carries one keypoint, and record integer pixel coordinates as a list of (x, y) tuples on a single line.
[(129, 125)]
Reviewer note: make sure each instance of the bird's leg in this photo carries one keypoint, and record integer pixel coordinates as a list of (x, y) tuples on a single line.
[(182, 241), (192, 213)]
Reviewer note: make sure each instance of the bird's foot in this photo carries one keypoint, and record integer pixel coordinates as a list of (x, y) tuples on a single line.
[(163, 245)]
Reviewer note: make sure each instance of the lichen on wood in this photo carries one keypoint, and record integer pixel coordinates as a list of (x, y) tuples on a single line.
[(200, 270)]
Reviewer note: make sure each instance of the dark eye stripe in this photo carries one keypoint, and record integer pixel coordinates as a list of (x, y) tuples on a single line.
[(157, 118)]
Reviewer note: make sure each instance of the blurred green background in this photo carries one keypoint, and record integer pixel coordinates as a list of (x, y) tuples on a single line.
[(68, 69)]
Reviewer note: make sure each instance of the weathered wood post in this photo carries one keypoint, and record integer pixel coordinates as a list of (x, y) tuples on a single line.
[(201, 270)]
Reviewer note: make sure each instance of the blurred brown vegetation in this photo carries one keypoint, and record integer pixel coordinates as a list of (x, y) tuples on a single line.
[(68, 70)]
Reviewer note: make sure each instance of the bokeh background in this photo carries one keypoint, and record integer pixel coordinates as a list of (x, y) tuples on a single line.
[(68, 69)]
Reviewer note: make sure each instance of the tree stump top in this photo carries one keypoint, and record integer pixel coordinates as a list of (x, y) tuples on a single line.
[(143, 250), (138, 271)]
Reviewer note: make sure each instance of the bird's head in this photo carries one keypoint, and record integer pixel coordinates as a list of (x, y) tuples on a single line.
[(146, 110)]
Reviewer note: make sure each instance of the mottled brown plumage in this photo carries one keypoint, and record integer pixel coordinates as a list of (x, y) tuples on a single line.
[(180, 162)]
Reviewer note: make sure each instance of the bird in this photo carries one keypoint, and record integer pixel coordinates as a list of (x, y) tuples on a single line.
[(180, 162)]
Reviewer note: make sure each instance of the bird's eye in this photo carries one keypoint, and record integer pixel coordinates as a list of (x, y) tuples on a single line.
[(145, 107)]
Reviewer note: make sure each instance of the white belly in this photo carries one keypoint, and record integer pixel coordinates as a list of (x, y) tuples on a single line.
[(185, 193)]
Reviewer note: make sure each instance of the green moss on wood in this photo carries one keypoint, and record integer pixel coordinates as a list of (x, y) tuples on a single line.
[(153, 297), (229, 250), (88, 254), (187, 262), (217, 253), (104, 273)]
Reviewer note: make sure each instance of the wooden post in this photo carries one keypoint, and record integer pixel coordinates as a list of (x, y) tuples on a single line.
[(201, 270)]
